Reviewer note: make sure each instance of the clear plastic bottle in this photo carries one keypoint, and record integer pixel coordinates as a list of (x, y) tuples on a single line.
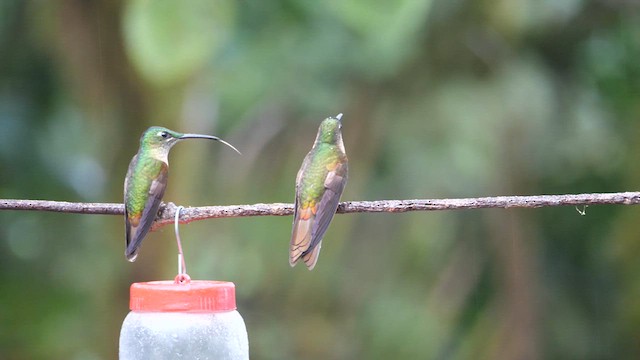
[(188, 320)]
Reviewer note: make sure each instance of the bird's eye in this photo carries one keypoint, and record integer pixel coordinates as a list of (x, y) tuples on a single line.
[(163, 134)]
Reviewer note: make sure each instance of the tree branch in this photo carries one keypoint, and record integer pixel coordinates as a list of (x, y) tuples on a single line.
[(189, 214)]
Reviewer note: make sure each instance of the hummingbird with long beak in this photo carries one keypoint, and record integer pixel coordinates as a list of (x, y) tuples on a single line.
[(146, 182), (319, 185)]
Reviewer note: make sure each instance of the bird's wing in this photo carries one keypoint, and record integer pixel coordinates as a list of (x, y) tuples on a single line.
[(129, 227), (137, 232), (334, 186)]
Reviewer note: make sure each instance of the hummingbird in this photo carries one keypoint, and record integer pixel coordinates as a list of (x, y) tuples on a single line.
[(146, 182), (319, 184)]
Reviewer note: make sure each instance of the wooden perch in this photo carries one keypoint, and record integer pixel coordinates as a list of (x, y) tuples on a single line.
[(189, 214)]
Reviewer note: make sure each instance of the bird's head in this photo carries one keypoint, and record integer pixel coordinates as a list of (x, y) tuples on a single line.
[(329, 130)]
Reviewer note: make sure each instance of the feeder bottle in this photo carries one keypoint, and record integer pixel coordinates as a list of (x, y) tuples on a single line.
[(193, 320)]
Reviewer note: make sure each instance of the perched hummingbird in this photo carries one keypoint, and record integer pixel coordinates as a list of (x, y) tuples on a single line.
[(146, 181), (319, 184)]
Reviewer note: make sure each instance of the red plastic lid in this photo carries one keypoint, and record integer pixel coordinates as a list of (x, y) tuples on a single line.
[(192, 296)]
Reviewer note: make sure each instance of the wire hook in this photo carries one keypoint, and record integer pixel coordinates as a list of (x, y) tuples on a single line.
[(182, 276)]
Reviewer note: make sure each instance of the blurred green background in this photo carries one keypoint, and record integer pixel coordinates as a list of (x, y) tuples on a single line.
[(441, 99)]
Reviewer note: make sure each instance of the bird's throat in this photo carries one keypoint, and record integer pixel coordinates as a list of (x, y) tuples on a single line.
[(159, 154)]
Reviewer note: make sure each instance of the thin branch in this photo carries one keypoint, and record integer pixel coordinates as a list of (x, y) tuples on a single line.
[(189, 214), (62, 206)]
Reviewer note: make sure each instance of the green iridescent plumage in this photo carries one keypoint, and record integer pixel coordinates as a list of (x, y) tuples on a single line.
[(146, 182), (319, 185), (139, 187)]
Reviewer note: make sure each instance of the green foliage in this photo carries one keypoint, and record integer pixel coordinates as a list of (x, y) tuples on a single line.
[(169, 41), (440, 99)]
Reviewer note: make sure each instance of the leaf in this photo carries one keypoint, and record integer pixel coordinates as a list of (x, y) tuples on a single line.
[(169, 41), (388, 30)]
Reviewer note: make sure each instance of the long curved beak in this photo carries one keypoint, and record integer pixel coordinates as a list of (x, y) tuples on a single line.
[(210, 137)]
